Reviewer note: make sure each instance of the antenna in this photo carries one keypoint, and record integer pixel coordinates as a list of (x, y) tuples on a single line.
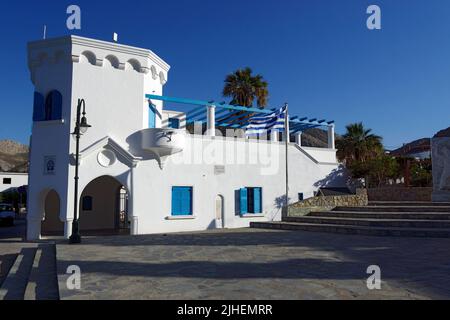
[(115, 37), (45, 32)]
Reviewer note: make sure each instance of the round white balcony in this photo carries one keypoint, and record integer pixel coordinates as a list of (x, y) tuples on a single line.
[(163, 141)]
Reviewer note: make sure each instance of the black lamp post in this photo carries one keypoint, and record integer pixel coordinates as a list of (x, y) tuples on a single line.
[(81, 127)]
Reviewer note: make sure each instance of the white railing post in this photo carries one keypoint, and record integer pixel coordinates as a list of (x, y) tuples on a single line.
[(274, 135), (298, 138), (331, 142), (211, 121)]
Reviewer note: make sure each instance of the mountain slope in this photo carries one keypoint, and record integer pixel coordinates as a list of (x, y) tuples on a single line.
[(13, 156)]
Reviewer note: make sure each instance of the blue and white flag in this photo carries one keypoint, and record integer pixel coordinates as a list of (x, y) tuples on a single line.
[(264, 123)]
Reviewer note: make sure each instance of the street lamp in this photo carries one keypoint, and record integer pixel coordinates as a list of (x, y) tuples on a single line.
[(81, 126)]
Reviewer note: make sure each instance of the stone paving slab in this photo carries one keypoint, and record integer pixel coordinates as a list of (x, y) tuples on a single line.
[(255, 264)]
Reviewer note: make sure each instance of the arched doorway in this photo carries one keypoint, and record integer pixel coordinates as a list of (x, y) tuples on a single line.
[(51, 223), (220, 213), (104, 207)]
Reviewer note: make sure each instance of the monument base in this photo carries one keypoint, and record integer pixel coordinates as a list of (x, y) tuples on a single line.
[(440, 196)]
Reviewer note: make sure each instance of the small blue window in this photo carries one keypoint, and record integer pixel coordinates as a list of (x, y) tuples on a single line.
[(174, 123), (181, 201), (250, 200)]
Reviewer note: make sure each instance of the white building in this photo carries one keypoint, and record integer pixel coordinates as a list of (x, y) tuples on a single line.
[(12, 181), (140, 170)]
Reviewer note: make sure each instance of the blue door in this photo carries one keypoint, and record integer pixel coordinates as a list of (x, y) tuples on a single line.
[(151, 116)]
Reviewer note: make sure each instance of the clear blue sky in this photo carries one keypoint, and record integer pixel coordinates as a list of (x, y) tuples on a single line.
[(317, 55)]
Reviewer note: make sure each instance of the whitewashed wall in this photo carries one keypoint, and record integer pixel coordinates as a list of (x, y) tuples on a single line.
[(17, 180)]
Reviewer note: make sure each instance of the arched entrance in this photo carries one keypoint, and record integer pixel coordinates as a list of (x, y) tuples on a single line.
[(51, 223), (104, 207), (220, 213)]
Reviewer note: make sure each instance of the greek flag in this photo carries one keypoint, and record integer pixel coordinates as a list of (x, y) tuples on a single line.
[(271, 121)]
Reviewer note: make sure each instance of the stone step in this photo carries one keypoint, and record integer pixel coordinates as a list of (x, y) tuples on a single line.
[(43, 283), (395, 209), (14, 286), (383, 215), (360, 230), (409, 203), (395, 223)]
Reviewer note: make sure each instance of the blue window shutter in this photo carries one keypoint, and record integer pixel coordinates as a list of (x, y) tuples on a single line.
[(243, 201), (186, 201), (38, 107), (181, 201), (257, 199), (56, 105), (151, 116), (176, 201)]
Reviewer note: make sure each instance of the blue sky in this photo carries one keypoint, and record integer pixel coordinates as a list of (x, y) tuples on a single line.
[(317, 55)]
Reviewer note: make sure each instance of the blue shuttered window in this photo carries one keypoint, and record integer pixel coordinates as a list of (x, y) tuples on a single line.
[(181, 201), (250, 200), (49, 108)]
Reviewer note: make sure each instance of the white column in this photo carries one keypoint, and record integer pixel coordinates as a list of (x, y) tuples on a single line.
[(298, 138), (67, 228), (211, 121), (133, 218), (33, 228), (331, 142), (274, 136)]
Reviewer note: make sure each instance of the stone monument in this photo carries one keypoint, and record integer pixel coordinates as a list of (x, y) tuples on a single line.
[(440, 154)]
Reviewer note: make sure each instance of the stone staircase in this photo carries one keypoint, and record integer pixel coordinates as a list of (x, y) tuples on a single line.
[(404, 219), (30, 274)]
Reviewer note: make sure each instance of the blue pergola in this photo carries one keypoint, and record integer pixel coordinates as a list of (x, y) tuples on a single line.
[(231, 116)]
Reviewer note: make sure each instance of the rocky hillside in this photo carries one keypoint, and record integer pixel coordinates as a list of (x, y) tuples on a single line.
[(13, 156)]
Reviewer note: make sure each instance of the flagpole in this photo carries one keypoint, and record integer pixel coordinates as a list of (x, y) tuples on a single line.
[(287, 138)]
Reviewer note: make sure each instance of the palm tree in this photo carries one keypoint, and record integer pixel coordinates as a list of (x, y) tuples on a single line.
[(358, 144), (244, 88)]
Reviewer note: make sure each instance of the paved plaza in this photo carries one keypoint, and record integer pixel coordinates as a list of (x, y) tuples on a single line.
[(255, 264)]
